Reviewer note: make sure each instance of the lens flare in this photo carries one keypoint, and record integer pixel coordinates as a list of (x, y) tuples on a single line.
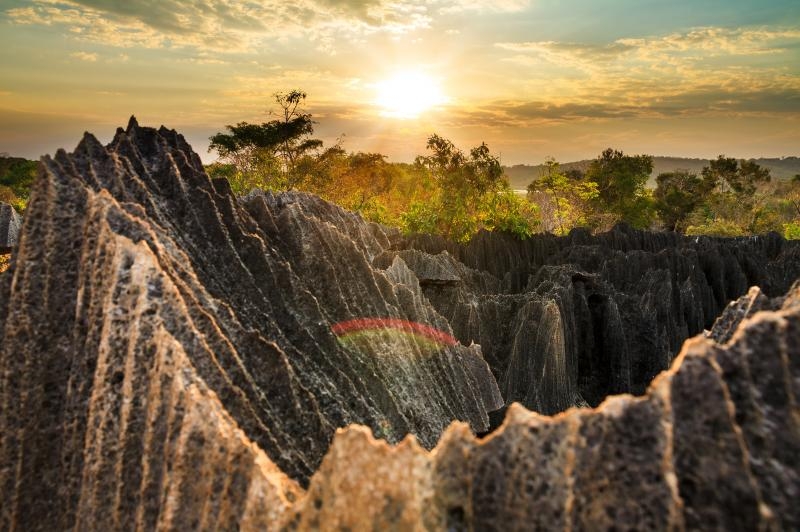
[(368, 333)]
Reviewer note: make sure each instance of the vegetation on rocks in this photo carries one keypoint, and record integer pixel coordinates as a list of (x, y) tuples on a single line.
[(16, 177)]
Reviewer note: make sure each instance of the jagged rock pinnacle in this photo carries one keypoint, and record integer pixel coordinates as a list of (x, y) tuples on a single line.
[(174, 357)]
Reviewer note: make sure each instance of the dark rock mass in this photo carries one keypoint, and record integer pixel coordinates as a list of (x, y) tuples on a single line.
[(568, 321), (714, 444), (10, 223), (176, 358)]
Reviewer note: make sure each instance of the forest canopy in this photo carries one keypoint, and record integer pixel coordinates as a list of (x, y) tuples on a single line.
[(456, 193)]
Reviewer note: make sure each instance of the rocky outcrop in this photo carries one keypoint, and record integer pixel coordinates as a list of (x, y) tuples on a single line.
[(568, 321), (144, 298), (174, 357), (713, 445), (10, 223)]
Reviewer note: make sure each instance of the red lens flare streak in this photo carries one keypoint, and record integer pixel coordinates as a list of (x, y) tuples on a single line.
[(343, 328)]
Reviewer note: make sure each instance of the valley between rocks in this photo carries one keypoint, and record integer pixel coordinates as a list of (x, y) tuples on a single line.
[(174, 357)]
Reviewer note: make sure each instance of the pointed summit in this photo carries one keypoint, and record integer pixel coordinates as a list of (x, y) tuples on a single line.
[(89, 144), (132, 123)]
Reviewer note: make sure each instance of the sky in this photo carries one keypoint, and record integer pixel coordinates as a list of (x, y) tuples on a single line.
[(531, 78)]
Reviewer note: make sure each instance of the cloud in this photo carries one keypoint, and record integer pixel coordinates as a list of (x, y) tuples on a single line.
[(693, 103), (233, 26), (702, 72), (85, 56), (223, 26), (697, 45), (570, 52), (498, 6)]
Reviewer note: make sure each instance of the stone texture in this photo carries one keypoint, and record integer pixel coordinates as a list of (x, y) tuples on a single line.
[(712, 445), (10, 223), (130, 250), (169, 361), (568, 321)]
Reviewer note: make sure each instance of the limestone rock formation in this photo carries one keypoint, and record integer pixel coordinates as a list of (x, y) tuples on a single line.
[(137, 277), (568, 321), (10, 223), (174, 357), (713, 445)]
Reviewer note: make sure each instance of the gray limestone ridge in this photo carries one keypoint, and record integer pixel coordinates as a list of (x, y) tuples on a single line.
[(10, 223), (170, 360)]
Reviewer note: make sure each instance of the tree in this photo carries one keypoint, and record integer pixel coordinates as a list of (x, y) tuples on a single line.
[(464, 174), (741, 178), (354, 181), (793, 194), (267, 154), (621, 183), (677, 195), (562, 197), (739, 196), (470, 193)]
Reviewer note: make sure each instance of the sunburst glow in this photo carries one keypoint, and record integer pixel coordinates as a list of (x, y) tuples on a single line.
[(408, 94)]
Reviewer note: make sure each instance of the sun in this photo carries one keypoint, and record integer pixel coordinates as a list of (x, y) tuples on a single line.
[(408, 94)]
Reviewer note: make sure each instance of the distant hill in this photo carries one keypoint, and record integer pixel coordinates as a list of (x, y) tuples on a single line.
[(521, 175)]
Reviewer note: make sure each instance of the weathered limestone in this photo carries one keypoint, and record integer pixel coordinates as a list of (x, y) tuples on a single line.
[(714, 444), (130, 250), (568, 321), (176, 358)]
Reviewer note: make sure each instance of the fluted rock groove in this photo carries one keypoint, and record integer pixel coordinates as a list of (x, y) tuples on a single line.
[(174, 357)]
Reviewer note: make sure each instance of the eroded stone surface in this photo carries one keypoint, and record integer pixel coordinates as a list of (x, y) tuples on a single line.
[(568, 321), (129, 250), (172, 359), (714, 444)]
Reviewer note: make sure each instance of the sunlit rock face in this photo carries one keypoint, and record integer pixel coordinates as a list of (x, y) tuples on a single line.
[(176, 358), (141, 289)]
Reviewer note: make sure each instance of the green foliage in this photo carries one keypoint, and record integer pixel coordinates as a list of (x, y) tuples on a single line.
[(729, 198), (507, 212), (677, 195), (621, 183), (719, 227), (791, 231), (735, 198), (741, 178), (562, 197), (421, 217), (456, 194), (611, 190), (7, 196), (269, 155), (16, 177), (469, 193)]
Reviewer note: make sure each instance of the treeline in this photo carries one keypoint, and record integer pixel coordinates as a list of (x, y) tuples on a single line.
[(729, 197), (456, 193), (445, 191)]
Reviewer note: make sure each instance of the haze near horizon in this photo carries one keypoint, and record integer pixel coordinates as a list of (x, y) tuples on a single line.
[(530, 78)]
